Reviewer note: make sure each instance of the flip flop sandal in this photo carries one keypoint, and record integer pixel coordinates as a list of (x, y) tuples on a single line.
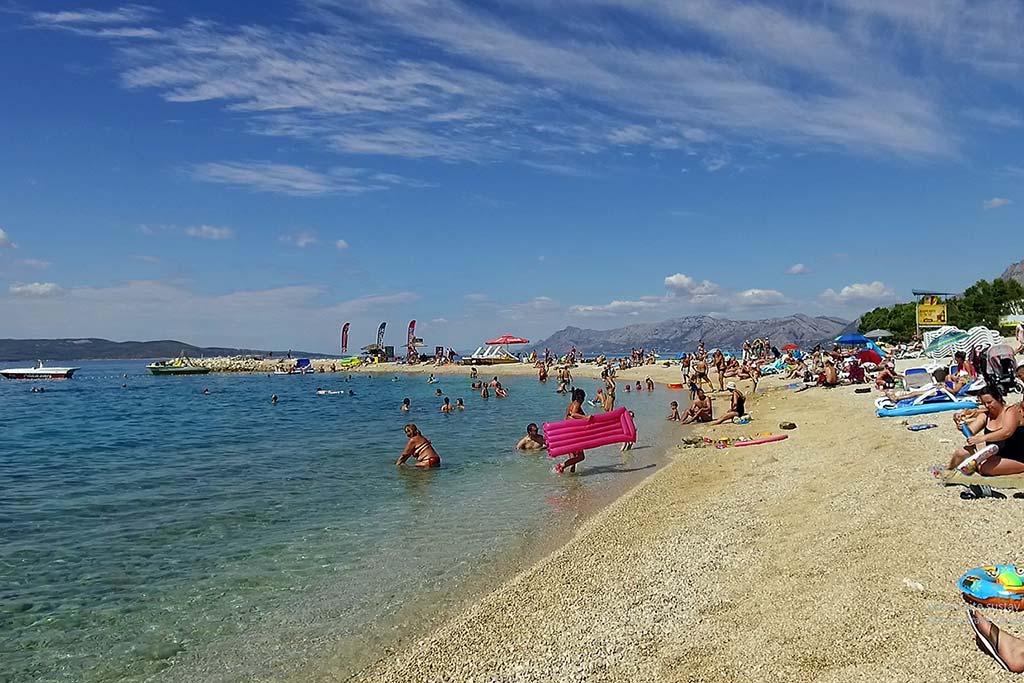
[(976, 491), (991, 646)]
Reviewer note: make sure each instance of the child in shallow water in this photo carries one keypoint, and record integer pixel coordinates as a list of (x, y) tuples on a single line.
[(674, 412)]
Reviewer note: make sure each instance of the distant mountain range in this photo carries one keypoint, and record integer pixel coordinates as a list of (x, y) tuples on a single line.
[(1014, 272), (683, 334), (104, 349)]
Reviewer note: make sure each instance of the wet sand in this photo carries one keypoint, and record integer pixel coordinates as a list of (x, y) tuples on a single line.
[(831, 556)]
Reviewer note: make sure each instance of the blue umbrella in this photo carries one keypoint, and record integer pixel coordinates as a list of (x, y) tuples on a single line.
[(852, 339)]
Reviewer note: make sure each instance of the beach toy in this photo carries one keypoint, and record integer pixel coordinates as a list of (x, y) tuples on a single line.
[(999, 585), (602, 429), (675, 386), (966, 431), (918, 428), (925, 408), (767, 439), (971, 464)]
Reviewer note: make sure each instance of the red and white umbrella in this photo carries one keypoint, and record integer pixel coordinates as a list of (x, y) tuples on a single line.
[(506, 339)]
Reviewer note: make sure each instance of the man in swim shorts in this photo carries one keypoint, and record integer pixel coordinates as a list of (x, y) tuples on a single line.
[(533, 441), (699, 410)]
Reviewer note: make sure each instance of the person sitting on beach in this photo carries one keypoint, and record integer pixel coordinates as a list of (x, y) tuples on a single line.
[(829, 376), (574, 412), (998, 424), (406, 405), (699, 410), (459, 405), (447, 406), (533, 441), (500, 391), (886, 378), (420, 448), (737, 408), (673, 414), (961, 365)]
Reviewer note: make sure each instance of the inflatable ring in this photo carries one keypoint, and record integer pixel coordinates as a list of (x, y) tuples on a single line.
[(1000, 585)]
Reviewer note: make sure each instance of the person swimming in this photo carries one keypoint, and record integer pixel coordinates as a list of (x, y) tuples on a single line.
[(484, 391), (431, 380), (273, 399), (418, 447), (533, 441), (459, 405), (406, 405), (438, 392), (447, 407), (500, 391)]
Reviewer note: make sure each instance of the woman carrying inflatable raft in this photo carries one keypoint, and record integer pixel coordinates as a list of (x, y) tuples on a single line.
[(993, 424)]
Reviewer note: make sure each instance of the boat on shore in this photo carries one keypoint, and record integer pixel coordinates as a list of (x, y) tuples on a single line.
[(302, 367), (38, 371), (181, 365)]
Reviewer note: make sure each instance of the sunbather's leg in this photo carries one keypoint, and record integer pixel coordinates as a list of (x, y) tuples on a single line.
[(996, 466), (1010, 648)]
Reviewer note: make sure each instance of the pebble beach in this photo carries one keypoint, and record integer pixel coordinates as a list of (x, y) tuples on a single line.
[(831, 556)]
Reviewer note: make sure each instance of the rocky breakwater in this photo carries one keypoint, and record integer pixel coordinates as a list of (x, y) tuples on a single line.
[(265, 365)]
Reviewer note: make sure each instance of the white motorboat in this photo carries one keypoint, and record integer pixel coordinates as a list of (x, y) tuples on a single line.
[(39, 371)]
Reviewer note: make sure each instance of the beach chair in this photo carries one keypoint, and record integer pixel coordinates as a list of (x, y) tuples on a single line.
[(916, 378)]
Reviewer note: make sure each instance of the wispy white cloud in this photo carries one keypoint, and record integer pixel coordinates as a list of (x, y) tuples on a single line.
[(5, 241), (340, 245), (210, 232), (146, 258), (461, 82), (859, 293), (995, 203), (536, 306), (798, 269), (300, 240), (262, 176), (760, 297), (36, 264), (126, 14), (35, 289)]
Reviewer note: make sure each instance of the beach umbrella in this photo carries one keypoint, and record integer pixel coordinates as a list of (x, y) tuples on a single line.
[(790, 347), (941, 344), (869, 356), (508, 339), (852, 339), (878, 334)]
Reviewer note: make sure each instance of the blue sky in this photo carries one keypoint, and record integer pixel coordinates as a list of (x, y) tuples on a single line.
[(258, 174)]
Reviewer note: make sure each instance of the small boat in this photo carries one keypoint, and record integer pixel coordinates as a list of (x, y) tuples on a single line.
[(179, 366), (39, 371)]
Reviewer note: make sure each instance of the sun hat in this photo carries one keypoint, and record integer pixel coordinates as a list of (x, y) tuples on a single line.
[(730, 386)]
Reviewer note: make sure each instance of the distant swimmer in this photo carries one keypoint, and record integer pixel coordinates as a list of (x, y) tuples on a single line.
[(476, 386), (484, 392), (206, 392), (273, 399), (533, 441), (650, 384), (495, 382), (500, 391), (438, 392), (419, 447), (459, 404), (406, 404), (351, 393), (472, 373), (431, 379), (38, 390), (447, 407)]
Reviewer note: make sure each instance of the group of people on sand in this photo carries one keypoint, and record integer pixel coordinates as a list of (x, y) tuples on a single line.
[(701, 409)]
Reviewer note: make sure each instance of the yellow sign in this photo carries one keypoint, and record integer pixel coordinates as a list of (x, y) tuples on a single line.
[(931, 315)]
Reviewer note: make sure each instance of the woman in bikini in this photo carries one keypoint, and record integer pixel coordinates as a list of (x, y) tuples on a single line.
[(997, 424), (420, 448)]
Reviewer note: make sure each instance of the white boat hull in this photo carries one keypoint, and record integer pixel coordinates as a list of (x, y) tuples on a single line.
[(38, 373)]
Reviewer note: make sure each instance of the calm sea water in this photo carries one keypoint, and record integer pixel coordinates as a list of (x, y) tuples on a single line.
[(155, 533)]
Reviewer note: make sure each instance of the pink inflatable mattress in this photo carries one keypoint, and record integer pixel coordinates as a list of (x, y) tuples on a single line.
[(602, 429)]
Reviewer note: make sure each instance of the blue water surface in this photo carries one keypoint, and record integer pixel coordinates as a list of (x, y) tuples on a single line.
[(151, 532)]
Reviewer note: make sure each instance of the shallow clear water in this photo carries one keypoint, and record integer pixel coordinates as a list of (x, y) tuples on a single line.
[(154, 533)]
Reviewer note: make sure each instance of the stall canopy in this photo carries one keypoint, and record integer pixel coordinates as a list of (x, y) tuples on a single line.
[(506, 339)]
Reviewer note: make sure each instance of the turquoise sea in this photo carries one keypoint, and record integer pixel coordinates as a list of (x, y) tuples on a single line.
[(153, 533)]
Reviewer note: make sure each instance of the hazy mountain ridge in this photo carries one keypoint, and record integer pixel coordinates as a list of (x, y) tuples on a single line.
[(1015, 271), (104, 349), (683, 334)]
